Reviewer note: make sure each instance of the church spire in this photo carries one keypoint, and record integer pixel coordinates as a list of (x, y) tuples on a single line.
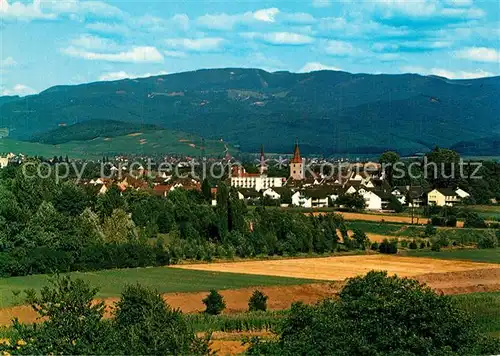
[(296, 154), (262, 161), (296, 165)]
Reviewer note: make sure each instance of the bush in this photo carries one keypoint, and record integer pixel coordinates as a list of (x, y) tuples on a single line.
[(436, 247), (430, 230), (214, 303), (72, 323), (451, 221), (473, 219), (413, 245), (389, 247), (148, 326), (422, 245), (442, 239), (488, 241), (360, 238), (374, 246), (258, 301), (438, 221), (378, 315)]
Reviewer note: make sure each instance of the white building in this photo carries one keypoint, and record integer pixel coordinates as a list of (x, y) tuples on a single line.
[(372, 200), (241, 179), (301, 200), (271, 193), (4, 162)]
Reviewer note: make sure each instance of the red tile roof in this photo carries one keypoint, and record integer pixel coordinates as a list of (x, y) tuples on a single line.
[(296, 155)]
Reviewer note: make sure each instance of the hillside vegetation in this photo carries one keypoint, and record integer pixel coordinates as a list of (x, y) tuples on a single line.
[(329, 111), (96, 138)]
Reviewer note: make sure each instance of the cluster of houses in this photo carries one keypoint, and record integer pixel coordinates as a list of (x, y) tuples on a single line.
[(366, 180), (318, 191), (161, 185)]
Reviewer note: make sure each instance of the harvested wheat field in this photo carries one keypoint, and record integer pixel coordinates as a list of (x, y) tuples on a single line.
[(230, 343), (339, 268)]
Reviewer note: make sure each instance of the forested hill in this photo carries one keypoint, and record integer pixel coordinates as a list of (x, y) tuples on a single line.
[(328, 111)]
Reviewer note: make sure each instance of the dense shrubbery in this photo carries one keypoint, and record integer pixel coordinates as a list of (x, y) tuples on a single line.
[(389, 247), (450, 221), (473, 219), (378, 315), (48, 227), (488, 241), (73, 325)]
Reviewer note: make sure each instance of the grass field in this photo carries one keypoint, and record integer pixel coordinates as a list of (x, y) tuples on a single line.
[(164, 279), (396, 230), (488, 212), (476, 255), (484, 308), (146, 143), (464, 236)]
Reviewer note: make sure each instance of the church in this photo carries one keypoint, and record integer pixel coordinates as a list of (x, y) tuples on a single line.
[(261, 181)]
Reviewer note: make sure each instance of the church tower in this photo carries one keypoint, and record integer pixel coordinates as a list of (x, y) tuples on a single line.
[(262, 161), (296, 164)]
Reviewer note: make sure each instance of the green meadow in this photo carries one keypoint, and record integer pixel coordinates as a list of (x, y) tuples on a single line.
[(164, 279)]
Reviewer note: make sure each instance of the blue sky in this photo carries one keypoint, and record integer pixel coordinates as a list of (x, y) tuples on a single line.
[(52, 42)]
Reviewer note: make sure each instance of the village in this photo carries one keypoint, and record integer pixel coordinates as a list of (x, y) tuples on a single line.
[(365, 181)]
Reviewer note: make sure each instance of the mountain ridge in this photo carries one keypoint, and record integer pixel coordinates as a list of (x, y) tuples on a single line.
[(328, 111)]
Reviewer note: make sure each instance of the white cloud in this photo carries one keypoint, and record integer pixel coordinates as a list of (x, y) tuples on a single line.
[(315, 66), (150, 23), (108, 28), (459, 3), (182, 21), (411, 46), (94, 43), (342, 49), (23, 12), (426, 9), (52, 9), (279, 38), (321, 3), (266, 15), (389, 57), (287, 38), (479, 54), (196, 45), (77, 9), (8, 62), (218, 21), (19, 89), (143, 54), (110, 76), (223, 21), (175, 54), (479, 73), (301, 18)]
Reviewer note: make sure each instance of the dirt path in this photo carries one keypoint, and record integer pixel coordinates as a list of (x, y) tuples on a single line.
[(340, 268)]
